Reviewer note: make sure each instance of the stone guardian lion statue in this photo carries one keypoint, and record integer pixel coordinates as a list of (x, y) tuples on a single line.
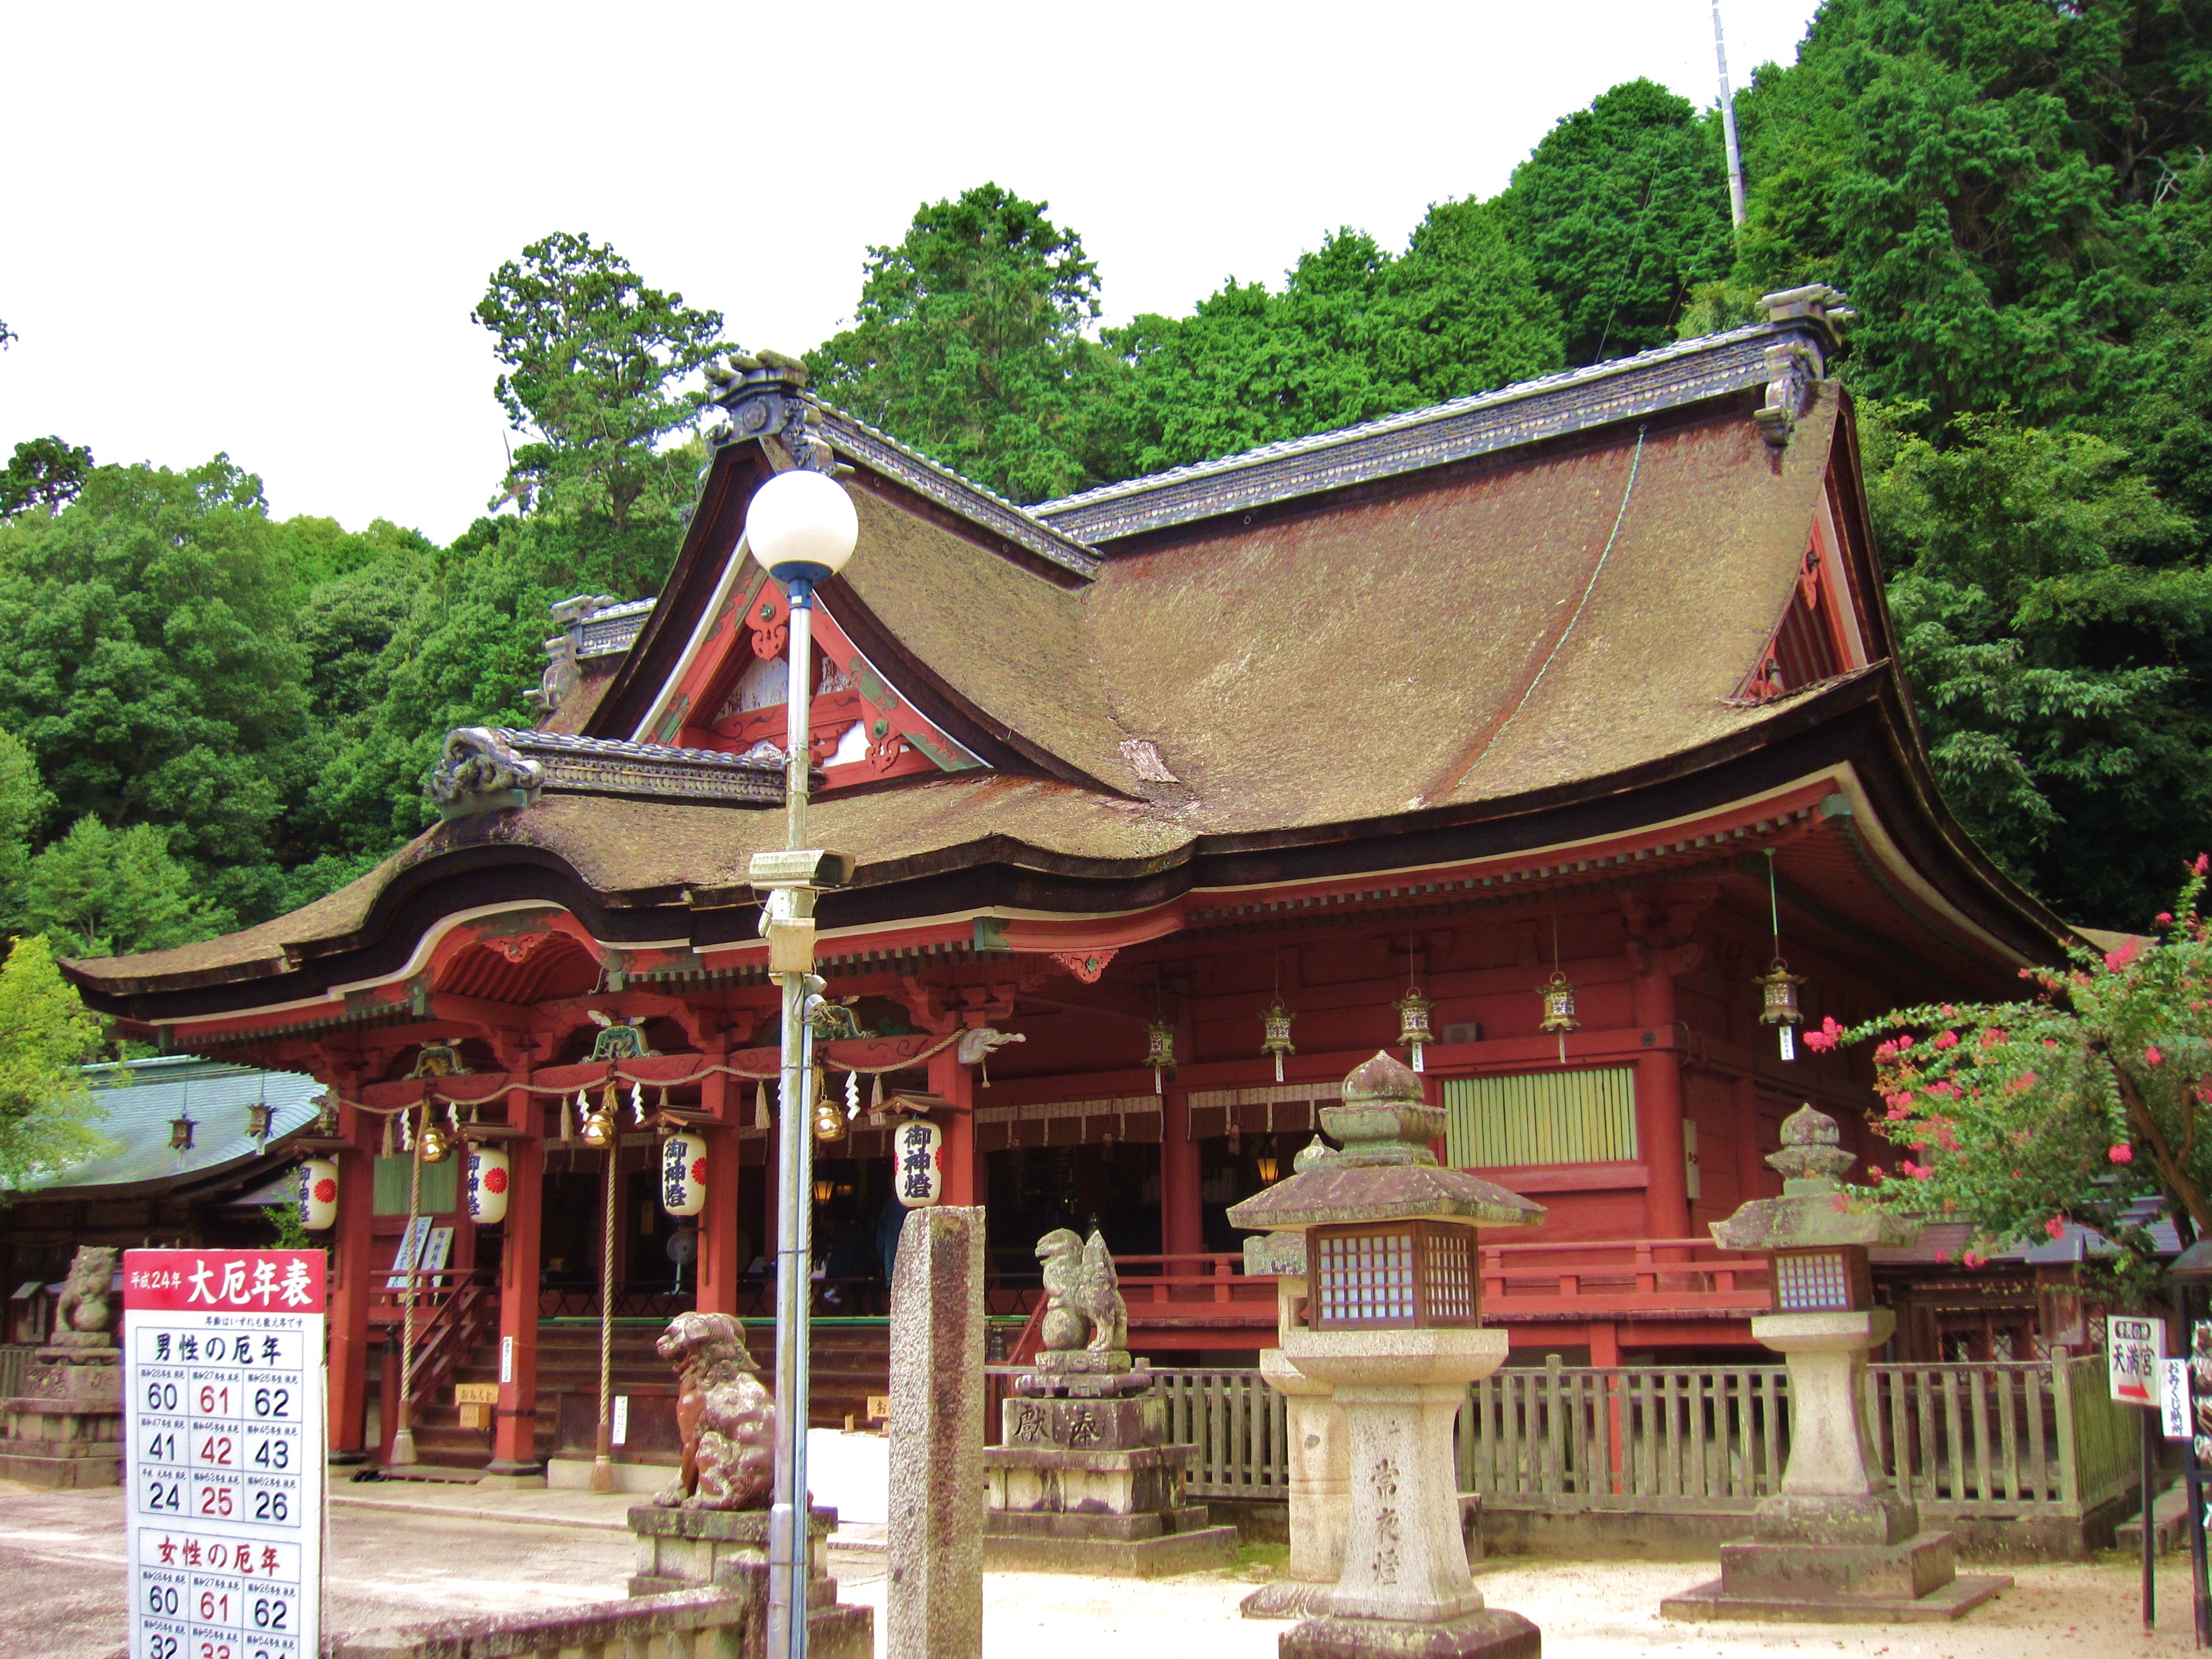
[(726, 1419), (1083, 1307)]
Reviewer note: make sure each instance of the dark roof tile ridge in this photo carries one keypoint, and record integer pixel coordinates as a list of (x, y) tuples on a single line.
[(1401, 421), (1056, 544), (570, 743)]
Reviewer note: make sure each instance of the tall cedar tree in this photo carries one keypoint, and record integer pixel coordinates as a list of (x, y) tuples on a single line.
[(968, 342), (47, 1116), (595, 362)]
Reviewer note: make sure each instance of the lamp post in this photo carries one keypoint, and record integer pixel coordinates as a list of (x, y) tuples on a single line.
[(802, 527)]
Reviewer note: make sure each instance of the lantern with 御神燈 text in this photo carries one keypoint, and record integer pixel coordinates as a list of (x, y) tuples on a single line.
[(683, 1174), (917, 1173), (487, 1177), (318, 1194)]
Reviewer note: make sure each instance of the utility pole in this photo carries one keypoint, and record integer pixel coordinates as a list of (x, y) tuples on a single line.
[(1728, 124)]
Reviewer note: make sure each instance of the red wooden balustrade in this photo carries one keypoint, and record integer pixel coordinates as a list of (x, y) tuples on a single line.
[(1617, 1279), (1165, 1293)]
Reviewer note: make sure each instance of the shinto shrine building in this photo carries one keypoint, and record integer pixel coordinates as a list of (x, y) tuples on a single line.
[(1582, 685)]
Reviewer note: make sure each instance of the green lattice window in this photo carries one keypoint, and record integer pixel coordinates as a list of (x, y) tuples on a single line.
[(1545, 1117), (441, 1185)]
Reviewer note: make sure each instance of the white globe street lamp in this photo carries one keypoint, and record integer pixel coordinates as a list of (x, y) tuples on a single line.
[(802, 527)]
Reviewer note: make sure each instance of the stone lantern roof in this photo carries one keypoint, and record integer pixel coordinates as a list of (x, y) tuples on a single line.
[(1387, 1170), (1815, 1209)]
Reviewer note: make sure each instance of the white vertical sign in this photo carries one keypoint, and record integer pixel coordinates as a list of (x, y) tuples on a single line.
[(2173, 1400), (224, 1456)]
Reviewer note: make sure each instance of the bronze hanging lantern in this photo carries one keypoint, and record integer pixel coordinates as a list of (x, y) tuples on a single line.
[(1559, 1011), (180, 1133), (437, 1145), (828, 1114), (1413, 1031), (1159, 1053), (257, 1121), (1275, 1026), (1779, 1004)]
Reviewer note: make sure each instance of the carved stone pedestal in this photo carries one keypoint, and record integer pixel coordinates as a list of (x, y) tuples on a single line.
[(1085, 1481), (1839, 1544), (66, 1430), (681, 1549), (1405, 1588)]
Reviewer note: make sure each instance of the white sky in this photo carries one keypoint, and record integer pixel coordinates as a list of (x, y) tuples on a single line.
[(261, 229)]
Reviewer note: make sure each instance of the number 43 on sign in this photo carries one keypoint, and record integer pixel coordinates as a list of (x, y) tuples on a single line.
[(2135, 1353)]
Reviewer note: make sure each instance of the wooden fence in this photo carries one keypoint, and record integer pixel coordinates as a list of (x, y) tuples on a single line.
[(1993, 1440)]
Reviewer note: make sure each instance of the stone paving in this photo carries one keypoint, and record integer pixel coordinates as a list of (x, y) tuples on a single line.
[(449, 1550)]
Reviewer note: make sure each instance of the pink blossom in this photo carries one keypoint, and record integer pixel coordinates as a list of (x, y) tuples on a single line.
[(2055, 1227), (2116, 960), (1900, 1102), (2122, 1153), (1943, 1256), (2203, 863), (2166, 918), (1974, 1259), (1839, 1204), (1922, 1172), (1950, 1012), (1873, 1173), (2151, 1055), (1821, 1041), (1886, 1050), (1947, 1040)]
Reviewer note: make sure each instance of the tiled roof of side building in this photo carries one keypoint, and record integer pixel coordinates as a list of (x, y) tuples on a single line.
[(138, 1100), (1527, 411)]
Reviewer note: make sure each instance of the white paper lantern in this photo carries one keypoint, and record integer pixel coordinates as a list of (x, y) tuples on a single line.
[(318, 1194), (490, 1175), (917, 1163), (683, 1175)]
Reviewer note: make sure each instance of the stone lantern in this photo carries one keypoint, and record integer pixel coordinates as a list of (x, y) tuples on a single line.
[(1839, 1543), (1390, 1322)]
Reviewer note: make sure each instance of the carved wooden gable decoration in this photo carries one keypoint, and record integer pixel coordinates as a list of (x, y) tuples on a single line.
[(1816, 638), (730, 697)]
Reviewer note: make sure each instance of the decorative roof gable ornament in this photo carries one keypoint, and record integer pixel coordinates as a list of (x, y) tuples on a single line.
[(477, 772), (561, 675), (763, 398), (1797, 365)]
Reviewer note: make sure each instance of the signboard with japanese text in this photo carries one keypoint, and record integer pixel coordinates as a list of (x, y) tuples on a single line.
[(224, 1452), (2134, 1352)]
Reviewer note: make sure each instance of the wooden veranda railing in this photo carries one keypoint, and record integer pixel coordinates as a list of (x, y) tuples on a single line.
[(1165, 1294), (1989, 1440), (1621, 1279)]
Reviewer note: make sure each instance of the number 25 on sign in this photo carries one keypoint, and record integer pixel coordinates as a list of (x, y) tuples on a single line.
[(2134, 1351)]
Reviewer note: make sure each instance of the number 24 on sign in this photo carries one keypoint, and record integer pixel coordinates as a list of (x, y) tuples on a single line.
[(2134, 1349)]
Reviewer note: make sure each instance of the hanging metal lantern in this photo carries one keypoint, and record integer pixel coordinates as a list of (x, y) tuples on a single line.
[(1559, 1011), (683, 1174), (1159, 1053), (488, 1174), (1413, 1031), (1778, 995), (180, 1133), (917, 1172), (318, 1194), (830, 1119), (1275, 1025), (1268, 1164), (437, 1144), (257, 1119)]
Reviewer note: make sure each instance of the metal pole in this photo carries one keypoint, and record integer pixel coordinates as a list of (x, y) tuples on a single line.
[(1727, 125), (2150, 1522), (787, 1526)]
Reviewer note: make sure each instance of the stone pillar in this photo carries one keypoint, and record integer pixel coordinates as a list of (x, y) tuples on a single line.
[(933, 1601), (954, 1084), (514, 1425), (351, 1281), (1182, 1227)]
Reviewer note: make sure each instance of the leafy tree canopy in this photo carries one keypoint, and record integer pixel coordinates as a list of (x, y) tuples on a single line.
[(969, 343), (99, 892), (1623, 208), (46, 1114), (43, 472), (595, 362)]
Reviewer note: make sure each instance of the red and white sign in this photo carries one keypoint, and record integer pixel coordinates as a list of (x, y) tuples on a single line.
[(2134, 1351), (224, 1454)]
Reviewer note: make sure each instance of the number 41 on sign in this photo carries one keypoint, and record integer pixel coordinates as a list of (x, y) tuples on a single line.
[(2135, 1353)]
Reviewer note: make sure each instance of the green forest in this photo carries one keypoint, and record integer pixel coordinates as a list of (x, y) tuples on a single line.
[(208, 716)]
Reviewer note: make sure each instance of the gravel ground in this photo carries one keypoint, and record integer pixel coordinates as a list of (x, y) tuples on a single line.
[(61, 1560)]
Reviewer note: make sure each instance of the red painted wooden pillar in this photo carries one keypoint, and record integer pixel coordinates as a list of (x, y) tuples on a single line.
[(1182, 1229), (950, 1081), (352, 1280), (716, 1287), (1659, 1111), (515, 1432)]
